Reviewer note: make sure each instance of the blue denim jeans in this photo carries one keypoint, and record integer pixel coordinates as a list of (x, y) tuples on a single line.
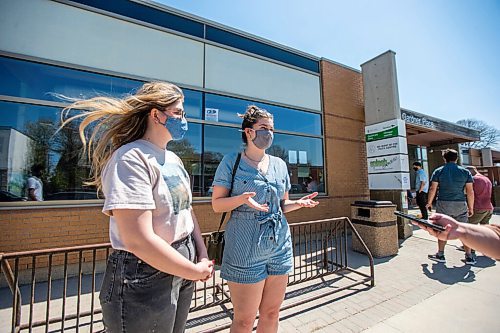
[(136, 297)]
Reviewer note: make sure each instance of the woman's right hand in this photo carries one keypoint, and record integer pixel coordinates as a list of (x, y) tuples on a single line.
[(246, 198), (452, 227)]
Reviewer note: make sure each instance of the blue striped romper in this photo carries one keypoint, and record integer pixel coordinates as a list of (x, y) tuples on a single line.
[(258, 244)]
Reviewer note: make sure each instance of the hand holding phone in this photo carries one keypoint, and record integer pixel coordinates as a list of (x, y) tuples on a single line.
[(420, 221)]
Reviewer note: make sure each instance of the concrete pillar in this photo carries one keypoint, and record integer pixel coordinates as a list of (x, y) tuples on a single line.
[(381, 89), (388, 169), (486, 157)]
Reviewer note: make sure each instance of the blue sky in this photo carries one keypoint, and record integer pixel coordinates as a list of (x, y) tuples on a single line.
[(447, 51)]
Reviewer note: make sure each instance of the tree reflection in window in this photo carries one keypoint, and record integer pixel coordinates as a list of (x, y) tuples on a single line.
[(34, 139), (189, 151), (220, 141)]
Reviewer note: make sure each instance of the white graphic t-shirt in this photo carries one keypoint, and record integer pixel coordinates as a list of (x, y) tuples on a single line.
[(140, 175)]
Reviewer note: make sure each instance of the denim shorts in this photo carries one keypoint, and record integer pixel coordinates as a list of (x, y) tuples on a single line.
[(136, 297), (256, 248)]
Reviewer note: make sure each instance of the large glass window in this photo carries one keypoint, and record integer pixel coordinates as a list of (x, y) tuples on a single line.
[(219, 141), (189, 150), (29, 139), (40, 81), (303, 155), (146, 13), (304, 158), (226, 109), (29, 135), (32, 80)]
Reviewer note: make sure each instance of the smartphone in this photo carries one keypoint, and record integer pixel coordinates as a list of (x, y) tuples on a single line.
[(420, 221)]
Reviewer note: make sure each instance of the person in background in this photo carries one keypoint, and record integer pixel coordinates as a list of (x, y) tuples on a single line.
[(35, 185), (483, 208), (158, 247), (421, 188), (312, 185), (449, 182), (258, 252), (484, 238)]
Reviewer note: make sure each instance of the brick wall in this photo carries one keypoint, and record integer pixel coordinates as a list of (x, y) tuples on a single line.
[(41, 228), (344, 120)]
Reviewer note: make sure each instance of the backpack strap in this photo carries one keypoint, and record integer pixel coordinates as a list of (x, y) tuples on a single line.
[(235, 168)]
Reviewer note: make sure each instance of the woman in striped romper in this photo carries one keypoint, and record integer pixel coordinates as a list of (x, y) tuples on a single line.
[(258, 253)]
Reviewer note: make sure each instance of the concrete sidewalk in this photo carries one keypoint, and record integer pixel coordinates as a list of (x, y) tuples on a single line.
[(468, 305), (463, 307), (412, 294)]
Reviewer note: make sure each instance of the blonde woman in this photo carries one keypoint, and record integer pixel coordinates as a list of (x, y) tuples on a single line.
[(258, 253), (159, 251)]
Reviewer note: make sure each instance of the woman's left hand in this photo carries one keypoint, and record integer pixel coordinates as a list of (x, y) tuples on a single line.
[(213, 269), (306, 201)]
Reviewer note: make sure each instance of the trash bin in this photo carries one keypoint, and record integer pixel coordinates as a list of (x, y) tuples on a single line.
[(377, 225)]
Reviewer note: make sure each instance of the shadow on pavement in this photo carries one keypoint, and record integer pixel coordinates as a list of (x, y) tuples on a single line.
[(449, 275), (484, 262)]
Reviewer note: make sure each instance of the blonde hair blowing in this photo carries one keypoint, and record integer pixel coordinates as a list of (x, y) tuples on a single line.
[(116, 122)]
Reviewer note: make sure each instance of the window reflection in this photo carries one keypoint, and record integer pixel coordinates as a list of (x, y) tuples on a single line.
[(303, 155), (29, 137), (27, 79), (219, 141), (304, 158), (424, 153), (284, 118), (417, 154), (28, 134), (40, 81), (192, 103), (189, 151)]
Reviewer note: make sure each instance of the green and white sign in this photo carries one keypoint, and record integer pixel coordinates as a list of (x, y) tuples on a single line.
[(385, 130), (391, 163), (387, 153)]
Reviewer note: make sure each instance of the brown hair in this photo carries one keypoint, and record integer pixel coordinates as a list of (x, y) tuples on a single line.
[(251, 116)]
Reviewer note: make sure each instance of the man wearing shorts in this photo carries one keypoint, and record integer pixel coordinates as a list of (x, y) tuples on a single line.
[(483, 208), (449, 182)]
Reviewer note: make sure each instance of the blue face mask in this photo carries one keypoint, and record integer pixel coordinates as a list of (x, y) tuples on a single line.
[(177, 127)]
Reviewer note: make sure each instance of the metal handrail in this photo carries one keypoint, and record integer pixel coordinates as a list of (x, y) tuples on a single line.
[(320, 248)]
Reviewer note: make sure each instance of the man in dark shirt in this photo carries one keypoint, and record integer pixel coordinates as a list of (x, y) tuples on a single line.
[(449, 182)]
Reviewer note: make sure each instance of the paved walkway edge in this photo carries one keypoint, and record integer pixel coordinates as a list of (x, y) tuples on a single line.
[(460, 308)]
